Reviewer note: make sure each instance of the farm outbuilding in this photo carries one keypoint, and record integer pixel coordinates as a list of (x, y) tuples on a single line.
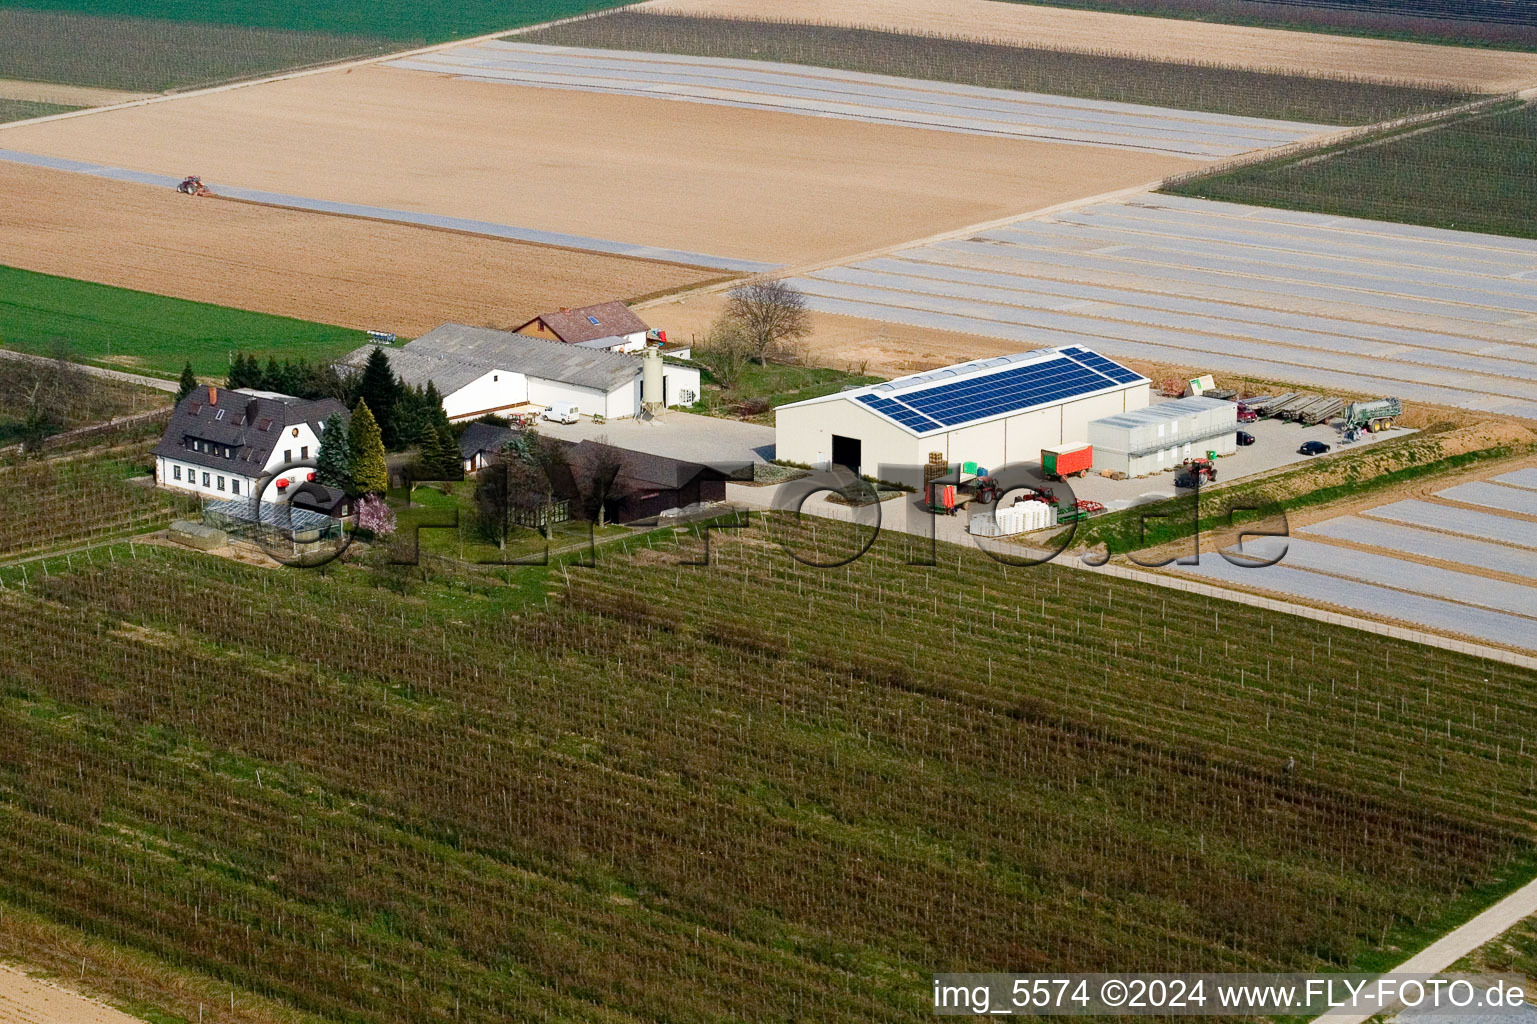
[(1162, 436), (610, 322), (481, 371), (992, 412)]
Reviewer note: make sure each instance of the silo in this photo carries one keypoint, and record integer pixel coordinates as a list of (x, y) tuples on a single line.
[(652, 383)]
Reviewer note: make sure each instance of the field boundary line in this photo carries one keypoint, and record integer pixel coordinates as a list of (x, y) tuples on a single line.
[(1344, 135), (1332, 618), (1455, 944), (319, 69), (158, 383), (947, 235)]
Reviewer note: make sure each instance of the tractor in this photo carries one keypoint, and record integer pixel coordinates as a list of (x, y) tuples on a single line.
[(984, 490), (192, 185), (1197, 471)]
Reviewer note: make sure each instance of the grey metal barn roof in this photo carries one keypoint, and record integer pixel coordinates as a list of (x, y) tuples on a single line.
[(453, 355), (986, 389)]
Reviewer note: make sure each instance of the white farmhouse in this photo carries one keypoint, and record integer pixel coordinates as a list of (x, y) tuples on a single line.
[(222, 444), (481, 371)]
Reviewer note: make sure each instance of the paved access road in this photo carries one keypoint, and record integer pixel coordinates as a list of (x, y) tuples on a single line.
[(708, 440), (1437, 316), (851, 95)]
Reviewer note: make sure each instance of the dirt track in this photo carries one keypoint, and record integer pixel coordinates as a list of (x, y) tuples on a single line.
[(24, 1000), (1157, 38), (728, 182), (355, 273)]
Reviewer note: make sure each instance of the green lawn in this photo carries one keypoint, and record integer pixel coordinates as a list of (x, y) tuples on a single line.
[(431, 513), (393, 19), (1471, 174), (149, 334), (771, 386)]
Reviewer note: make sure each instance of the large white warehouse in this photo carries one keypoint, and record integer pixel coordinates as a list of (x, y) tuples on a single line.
[(990, 411), (1162, 436)]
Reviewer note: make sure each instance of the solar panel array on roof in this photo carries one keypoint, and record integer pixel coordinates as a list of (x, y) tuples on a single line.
[(901, 413), (1070, 373)]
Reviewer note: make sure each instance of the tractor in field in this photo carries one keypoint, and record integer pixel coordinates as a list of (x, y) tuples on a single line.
[(192, 185)]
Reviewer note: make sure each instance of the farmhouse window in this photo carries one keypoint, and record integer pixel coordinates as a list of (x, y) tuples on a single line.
[(221, 483), (205, 479), (304, 452), (175, 472), (288, 454), (234, 486)]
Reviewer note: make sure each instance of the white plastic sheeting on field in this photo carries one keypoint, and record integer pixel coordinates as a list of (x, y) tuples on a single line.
[(1327, 302), (851, 95)]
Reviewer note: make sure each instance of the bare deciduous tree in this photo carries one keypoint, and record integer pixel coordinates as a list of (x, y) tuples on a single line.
[(771, 315), (601, 475), (725, 350), (45, 392)]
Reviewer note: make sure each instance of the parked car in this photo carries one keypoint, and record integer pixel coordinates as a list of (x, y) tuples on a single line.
[(562, 412), (1246, 414), (1312, 448), (1245, 439)]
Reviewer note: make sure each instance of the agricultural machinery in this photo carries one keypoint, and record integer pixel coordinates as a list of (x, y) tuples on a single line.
[(1197, 471), (1371, 416), (192, 185)]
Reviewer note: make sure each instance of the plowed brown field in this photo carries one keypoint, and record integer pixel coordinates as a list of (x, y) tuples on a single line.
[(338, 270), (1156, 38), (780, 188)]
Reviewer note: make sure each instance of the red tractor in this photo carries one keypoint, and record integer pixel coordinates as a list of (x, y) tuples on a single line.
[(1045, 495), (192, 185), (1197, 471), (984, 490)]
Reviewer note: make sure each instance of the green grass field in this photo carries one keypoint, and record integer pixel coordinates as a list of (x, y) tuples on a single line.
[(769, 386), (1471, 174), (1098, 76), (150, 334), (752, 791), (390, 19)]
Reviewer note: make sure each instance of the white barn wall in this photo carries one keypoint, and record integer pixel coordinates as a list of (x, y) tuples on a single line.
[(590, 402), (676, 379), (804, 434), (492, 392), (624, 401)]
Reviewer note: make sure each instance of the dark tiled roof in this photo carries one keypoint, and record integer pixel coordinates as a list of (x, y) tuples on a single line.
[(250, 424), (643, 469), (604, 320), (484, 437)]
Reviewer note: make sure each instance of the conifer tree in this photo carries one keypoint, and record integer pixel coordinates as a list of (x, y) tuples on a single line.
[(333, 463), (365, 443), (188, 382)]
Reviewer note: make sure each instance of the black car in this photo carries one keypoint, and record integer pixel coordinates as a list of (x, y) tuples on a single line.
[(1245, 439), (1312, 448)]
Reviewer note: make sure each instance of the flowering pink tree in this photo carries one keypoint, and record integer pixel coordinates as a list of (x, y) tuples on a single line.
[(375, 516)]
